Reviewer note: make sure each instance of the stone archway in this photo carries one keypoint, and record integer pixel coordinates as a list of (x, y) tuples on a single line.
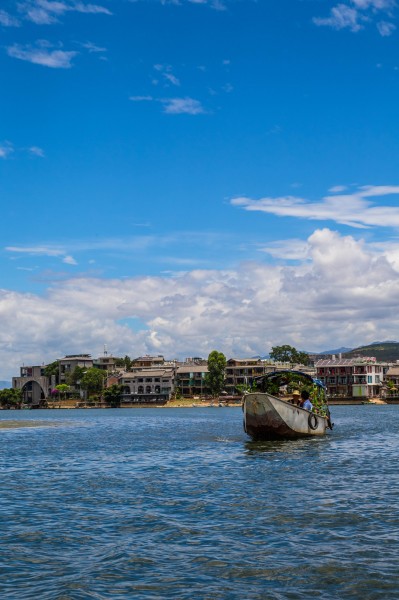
[(32, 393)]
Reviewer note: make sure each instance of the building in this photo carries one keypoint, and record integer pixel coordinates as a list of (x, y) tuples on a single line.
[(148, 362), (190, 380), (105, 363), (352, 377), (69, 363), (243, 371), (34, 384), (147, 386)]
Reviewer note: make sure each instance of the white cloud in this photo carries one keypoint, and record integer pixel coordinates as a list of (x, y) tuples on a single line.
[(174, 106), (8, 20), (355, 14), (353, 209), (167, 74), (6, 149), (46, 12), (36, 250), (42, 55), (36, 151), (386, 29), (342, 16), (92, 48), (177, 106), (69, 260), (50, 251), (293, 249), (344, 292)]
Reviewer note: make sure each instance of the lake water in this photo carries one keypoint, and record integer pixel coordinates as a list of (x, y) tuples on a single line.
[(179, 503)]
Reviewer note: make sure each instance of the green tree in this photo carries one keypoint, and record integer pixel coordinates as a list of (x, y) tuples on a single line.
[(10, 398), (214, 379), (74, 377), (113, 395), (290, 354), (62, 388), (93, 380), (52, 370)]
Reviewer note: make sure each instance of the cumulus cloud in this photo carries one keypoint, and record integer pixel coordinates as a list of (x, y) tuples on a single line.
[(344, 293), (355, 209), (42, 54), (354, 15)]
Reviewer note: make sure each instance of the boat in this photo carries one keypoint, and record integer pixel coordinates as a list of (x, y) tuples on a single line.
[(269, 417)]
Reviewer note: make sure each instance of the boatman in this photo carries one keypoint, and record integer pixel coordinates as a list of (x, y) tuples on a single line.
[(305, 402), (296, 397)]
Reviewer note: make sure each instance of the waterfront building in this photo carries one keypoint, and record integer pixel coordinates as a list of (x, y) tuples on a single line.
[(105, 363), (352, 377), (147, 385), (148, 362), (69, 363), (34, 384), (190, 380), (242, 371)]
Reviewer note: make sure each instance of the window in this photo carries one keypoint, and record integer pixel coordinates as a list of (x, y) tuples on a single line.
[(369, 379)]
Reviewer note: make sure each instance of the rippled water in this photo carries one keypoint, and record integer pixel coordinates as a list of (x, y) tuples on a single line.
[(179, 503)]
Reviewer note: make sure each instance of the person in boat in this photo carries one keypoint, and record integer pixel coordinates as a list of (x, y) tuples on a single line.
[(296, 397), (305, 402)]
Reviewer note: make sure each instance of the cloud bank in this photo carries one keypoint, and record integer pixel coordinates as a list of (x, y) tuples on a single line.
[(343, 293)]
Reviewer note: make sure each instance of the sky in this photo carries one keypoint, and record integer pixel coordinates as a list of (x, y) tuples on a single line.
[(183, 176)]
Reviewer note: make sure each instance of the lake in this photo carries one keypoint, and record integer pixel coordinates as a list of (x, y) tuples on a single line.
[(179, 503)]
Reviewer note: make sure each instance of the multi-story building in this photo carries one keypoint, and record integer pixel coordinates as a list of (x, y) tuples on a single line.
[(352, 377), (190, 380), (148, 385), (68, 364), (148, 362), (105, 363), (242, 371), (34, 384)]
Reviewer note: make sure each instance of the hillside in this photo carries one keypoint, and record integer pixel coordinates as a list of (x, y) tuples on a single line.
[(383, 351)]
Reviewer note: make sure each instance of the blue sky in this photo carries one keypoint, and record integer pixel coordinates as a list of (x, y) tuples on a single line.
[(183, 176)]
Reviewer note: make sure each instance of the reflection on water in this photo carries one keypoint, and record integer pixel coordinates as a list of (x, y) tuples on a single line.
[(179, 503)]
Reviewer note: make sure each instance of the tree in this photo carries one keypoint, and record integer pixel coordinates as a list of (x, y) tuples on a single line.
[(214, 379), (93, 380), (290, 354), (125, 363), (53, 370), (113, 395), (75, 376), (62, 388), (10, 398)]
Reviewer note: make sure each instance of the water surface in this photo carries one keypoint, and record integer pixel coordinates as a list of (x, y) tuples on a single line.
[(179, 503)]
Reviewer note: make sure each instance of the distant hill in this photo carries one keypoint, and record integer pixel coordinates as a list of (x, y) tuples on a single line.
[(336, 351), (383, 351)]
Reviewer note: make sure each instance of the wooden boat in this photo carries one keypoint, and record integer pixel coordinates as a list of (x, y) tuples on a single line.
[(268, 417)]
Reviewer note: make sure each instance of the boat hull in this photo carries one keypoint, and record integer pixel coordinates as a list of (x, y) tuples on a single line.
[(269, 418)]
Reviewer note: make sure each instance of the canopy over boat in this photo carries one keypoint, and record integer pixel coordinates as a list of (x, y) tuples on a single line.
[(269, 414)]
